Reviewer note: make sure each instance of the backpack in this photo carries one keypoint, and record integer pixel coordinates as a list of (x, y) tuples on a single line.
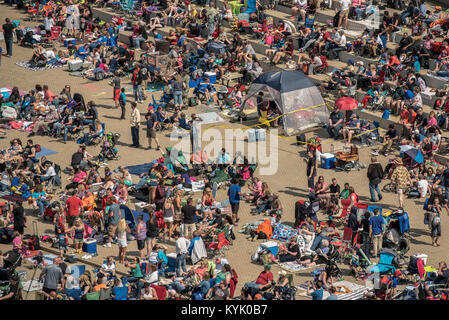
[(37, 147), (33, 243), (99, 76), (193, 102), (265, 257)]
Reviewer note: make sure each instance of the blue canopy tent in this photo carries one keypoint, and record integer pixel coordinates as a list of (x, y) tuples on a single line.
[(296, 96)]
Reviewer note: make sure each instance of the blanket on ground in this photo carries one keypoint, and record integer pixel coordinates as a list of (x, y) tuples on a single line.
[(345, 290), (48, 66)]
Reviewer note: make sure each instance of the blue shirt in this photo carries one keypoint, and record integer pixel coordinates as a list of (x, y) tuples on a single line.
[(233, 193), (317, 294), (376, 223), (162, 257)]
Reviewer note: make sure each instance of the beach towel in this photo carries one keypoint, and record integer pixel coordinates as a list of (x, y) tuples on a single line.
[(36, 285), (345, 290), (293, 266), (45, 152), (199, 251), (48, 66), (283, 233), (197, 186), (140, 168), (210, 117)]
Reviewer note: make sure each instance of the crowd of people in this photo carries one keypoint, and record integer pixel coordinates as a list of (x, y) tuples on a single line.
[(91, 201)]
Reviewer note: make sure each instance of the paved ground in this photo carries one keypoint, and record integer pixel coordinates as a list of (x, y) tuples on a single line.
[(289, 181)]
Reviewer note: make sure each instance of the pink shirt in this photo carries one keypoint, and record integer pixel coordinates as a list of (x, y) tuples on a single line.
[(79, 176), (432, 122), (16, 243)]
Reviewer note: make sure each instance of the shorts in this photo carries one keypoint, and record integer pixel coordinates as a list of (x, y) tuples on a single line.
[(205, 209), (71, 220), (151, 133), (331, 86), (140, 244), (122, 243), (344, 13), (235, 207), (77, 241), (400, 191), (111, 229), (116, 94), (168, 219)]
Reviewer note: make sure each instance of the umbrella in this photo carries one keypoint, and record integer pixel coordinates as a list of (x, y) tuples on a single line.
[(415, 154), (405, 148), (346, 103)]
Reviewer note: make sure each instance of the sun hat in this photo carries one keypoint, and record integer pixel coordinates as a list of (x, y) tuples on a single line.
[(283, 272), (398, 161)]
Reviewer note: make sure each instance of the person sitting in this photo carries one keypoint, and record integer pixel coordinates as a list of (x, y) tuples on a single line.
[(389, 138), (333, 83), (289, 253), (263, 282), (263, 231), (352, 128)]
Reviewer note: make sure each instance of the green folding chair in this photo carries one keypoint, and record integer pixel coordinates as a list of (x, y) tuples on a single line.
[(93, 295)]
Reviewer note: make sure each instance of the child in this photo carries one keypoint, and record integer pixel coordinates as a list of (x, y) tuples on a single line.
[(62, 241), (17, 242), (122, 102)]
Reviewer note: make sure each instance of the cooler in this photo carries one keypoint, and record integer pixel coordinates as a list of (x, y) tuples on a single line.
[(327, 161), (212, 77), (252, 135), (271, 246), (171, 265), (261, 134), (69, 40), (90, 246)]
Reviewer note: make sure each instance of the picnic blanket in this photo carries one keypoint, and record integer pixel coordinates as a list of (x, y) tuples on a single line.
[(210, 117), (140, 168), (45, 152), (345, 290), (27, 65), (197, 186), (48, 258), (293, 266), (283, 233), (33, 285), (445, 79)]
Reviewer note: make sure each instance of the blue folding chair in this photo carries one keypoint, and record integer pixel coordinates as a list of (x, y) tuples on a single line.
[(74, 293), (310, 21), (121, 293), (385, 265)]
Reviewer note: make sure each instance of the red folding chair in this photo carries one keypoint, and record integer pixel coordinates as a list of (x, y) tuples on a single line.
[(55, 33), (160, 291), (221, 241)]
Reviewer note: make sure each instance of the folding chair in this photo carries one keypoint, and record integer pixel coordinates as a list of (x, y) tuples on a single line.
[(105, 294), (345, 203), (385, 265), (120, 293), (220, 243), (160, 291), (55, 34), (93, 295)]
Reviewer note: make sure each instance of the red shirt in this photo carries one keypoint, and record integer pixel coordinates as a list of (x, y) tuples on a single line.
[(264, 277), (73, 205)]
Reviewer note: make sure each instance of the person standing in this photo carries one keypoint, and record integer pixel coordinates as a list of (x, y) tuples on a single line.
[(376, 231), (188, 217), (311, 169), (400, 177), (135, 124), (19, 217), (8, 29), (234, 193), (375, 174), (115, 83), (53, 276), (114, 219), (141, 235), (178, 87), (185, 86), (137, 84), (181, 252), (122, 102), (73, 205), (151, 128)]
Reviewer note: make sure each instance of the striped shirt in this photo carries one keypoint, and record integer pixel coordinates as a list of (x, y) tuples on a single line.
[(142, 235)]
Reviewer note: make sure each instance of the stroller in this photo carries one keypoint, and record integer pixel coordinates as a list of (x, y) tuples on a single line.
[(108, 150), (396, 233)]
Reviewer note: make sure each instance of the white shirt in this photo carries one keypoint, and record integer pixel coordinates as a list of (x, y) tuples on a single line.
[(344, 4), (302, 3), (342, 41), (107, 268), (181, 245), (50, 172), (422, 186), (49, 23), (50, 54), (219, 266)]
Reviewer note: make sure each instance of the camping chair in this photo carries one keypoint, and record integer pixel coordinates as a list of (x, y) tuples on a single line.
[(98, 139), (221, 242), (323, 67), (105, 294), (55, 33), (93, 295), (74, 293), (310, 22), (385, 265), (120, 293), (220, 177), (263, 119), (160, 291), (345, 204)]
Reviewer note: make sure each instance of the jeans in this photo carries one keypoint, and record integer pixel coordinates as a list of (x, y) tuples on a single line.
[(442, 73), (373, 188), (211, 27), (42, 204), (317, 242), (89, 121), (24, 112), (141, 183), (137, 89), (3, 187), (358, 13), (137, 42), (57, 126), (140, 284), (45, 178), (177, 96), (135, 136), (161, 269), (334, 132), (8, 42), (180, 264), (366, 243), (66, 130)]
